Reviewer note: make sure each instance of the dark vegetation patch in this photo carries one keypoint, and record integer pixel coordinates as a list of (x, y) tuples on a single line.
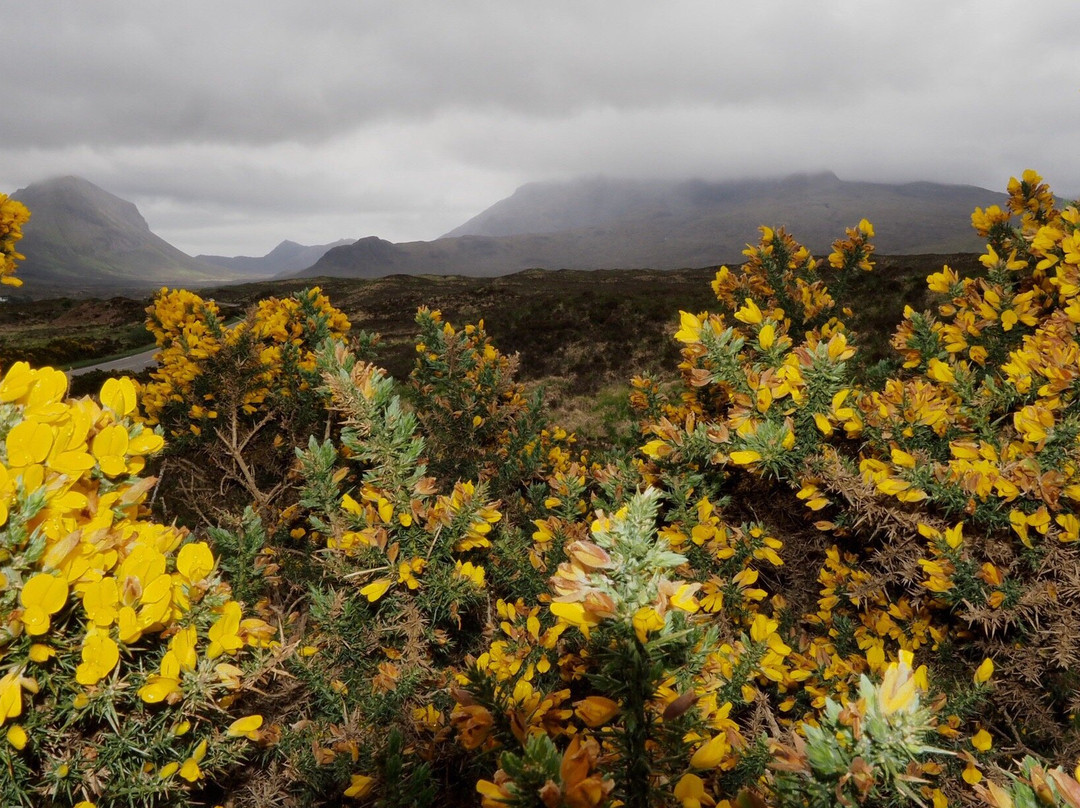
[(64, 331), (580, 331), (590, 329)]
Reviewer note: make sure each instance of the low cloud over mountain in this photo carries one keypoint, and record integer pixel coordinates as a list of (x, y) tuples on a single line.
[(601, 223)]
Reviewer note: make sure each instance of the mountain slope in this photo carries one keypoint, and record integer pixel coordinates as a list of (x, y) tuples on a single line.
[(81, 236), (288, 256), (548, 207), (601, 223)]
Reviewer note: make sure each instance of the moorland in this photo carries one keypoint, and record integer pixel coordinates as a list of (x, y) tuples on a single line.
[(577, 332)]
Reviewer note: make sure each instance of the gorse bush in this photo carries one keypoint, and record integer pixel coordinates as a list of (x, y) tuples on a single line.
[(479, 422), (121, 647), (13, 215), (236, 399), (946, 489), (811, 583), (123, 656), (262, 362)]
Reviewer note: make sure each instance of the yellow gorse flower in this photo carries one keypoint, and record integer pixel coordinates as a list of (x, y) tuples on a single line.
[(711, 753), (247, 726), (470, 572), (194, 341), (91, 581), (42, 596), (982, 740), (13, 215)]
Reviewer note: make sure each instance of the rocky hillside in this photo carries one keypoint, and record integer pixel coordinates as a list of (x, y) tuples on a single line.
[(80, 237)]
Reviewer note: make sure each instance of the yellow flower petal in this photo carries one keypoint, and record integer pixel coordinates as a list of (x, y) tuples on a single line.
[(745, 457), (224, 634), (596, 711), (119, 396), (984, 671), (690, 787), (16, 736), (359, 785), (145, 443), (41, 653), (376, 589), (690, 328), (190, 770), (646, 620), (195, 561), (574, 614), (351, 505), (35, 620), (111, 441), (100, 655), (767, 336), (245, 726), (711, 753), (684, 598), (823, 424), (749, 313), (28, 443), (16, 382), (46, 591), (10, 696), (182, 647)]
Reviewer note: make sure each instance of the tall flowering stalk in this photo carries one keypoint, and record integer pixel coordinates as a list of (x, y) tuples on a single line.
[(621, 579)]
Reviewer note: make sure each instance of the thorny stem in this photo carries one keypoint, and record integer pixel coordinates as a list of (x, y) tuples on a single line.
[(234, 447), (235, 451), (639, 690), (157, 482)]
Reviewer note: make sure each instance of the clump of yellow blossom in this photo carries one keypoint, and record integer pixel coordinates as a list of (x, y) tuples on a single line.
[(102, 611)]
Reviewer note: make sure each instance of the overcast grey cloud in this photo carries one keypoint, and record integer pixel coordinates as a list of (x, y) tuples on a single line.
[(234, 125)]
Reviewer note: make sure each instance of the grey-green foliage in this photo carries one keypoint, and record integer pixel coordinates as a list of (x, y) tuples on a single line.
[(379, 432), (861, 752), (639, 560), (237, 551), (530, 771)]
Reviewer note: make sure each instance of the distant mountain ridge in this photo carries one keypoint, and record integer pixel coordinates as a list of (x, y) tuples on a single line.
[(81, 239), (80, 236), (603, 223), (288, 256)]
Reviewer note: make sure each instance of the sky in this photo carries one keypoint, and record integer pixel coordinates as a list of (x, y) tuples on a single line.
[(234, 125)]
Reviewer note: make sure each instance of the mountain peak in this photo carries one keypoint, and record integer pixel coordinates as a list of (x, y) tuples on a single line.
[(81, 198), (288, 256), (80, 236), (608, 223), (598, 200), (67, 182), (817, 178)]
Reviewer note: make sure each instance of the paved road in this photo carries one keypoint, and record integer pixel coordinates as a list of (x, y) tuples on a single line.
[(134, 363)]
